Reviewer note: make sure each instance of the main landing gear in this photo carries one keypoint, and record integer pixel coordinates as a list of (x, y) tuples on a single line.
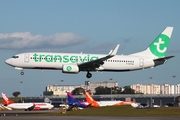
[(88, 75)]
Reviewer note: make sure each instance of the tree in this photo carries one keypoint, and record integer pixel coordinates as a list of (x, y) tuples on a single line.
[(117, 90), (128, 90), (102, 90), (107, 90), (16, 93), (78, 91)]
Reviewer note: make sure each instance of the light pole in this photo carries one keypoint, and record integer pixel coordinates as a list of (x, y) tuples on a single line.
[(111, 88), (151, 100), (21, 89), (175, 91), (61, 81), (62, 90)]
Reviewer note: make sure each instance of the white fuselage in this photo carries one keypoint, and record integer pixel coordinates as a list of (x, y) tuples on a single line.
[(42, 60), (44, 105), (108, 103), (20, 106), (116, 103)]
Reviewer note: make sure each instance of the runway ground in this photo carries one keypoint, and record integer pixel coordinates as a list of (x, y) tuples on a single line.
[(33, 115), (84, 118)]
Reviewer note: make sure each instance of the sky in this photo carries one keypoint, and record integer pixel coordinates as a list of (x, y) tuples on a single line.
[(88, 26)]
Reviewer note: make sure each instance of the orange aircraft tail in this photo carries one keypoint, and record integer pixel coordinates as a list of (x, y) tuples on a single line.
[(91, 101)]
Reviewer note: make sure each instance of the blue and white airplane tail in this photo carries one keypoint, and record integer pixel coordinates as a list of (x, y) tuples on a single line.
[(71, 98), (72, 102)]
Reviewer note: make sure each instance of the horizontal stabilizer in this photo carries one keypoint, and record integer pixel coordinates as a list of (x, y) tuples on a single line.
[(163, 60)]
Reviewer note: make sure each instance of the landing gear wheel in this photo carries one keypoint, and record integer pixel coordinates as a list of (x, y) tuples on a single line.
[(88, 75), (22, 73)]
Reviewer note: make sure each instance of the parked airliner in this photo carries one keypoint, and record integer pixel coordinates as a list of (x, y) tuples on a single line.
[(73, 63), (26, 106), (94, 103)]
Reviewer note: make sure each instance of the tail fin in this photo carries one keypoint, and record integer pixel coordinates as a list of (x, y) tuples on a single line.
[(73, 102), (71, 99), (158, 48), (90, 100), (6, 100)]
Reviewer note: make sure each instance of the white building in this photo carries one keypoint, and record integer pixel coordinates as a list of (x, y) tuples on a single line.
[(177, 89), (92, 85), (156, 89), (59, 90), (139, 88)]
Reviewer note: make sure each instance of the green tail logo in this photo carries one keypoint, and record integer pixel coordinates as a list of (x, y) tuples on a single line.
[(160, 45)]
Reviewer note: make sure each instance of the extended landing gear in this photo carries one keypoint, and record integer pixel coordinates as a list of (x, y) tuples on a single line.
[(88, 75), (22, 73)]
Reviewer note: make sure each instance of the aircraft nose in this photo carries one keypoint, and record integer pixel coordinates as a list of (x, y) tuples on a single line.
[(8, 61)]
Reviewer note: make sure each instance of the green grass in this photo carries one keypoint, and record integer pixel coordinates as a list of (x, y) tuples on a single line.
[(126, 111)]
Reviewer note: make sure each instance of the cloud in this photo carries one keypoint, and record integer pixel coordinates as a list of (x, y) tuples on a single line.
[(25, 40)]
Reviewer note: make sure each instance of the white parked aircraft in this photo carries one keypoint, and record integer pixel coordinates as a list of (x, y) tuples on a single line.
[(73, 63), (25, 106)]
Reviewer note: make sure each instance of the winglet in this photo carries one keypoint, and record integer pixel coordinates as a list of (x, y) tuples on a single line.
[(110, 52), (113, 53)]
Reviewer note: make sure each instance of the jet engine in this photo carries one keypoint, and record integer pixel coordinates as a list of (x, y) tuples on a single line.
[(70, 68)]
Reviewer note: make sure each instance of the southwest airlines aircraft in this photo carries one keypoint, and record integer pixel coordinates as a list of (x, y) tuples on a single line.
[(73, 63), (26, 106)]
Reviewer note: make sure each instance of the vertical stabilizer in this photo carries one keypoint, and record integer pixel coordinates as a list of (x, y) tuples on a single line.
[(6, 100), (71, 99), (90, 100), (158, 48), (73, 102)]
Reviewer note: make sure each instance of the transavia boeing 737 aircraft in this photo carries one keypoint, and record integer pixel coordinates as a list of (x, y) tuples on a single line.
[(73, 63)]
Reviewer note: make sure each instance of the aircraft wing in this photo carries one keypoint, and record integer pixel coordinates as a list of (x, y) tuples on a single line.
[(92, 65), (30, 108)]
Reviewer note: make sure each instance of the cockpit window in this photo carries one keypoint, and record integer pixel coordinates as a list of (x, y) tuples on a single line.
[(15, 56)]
